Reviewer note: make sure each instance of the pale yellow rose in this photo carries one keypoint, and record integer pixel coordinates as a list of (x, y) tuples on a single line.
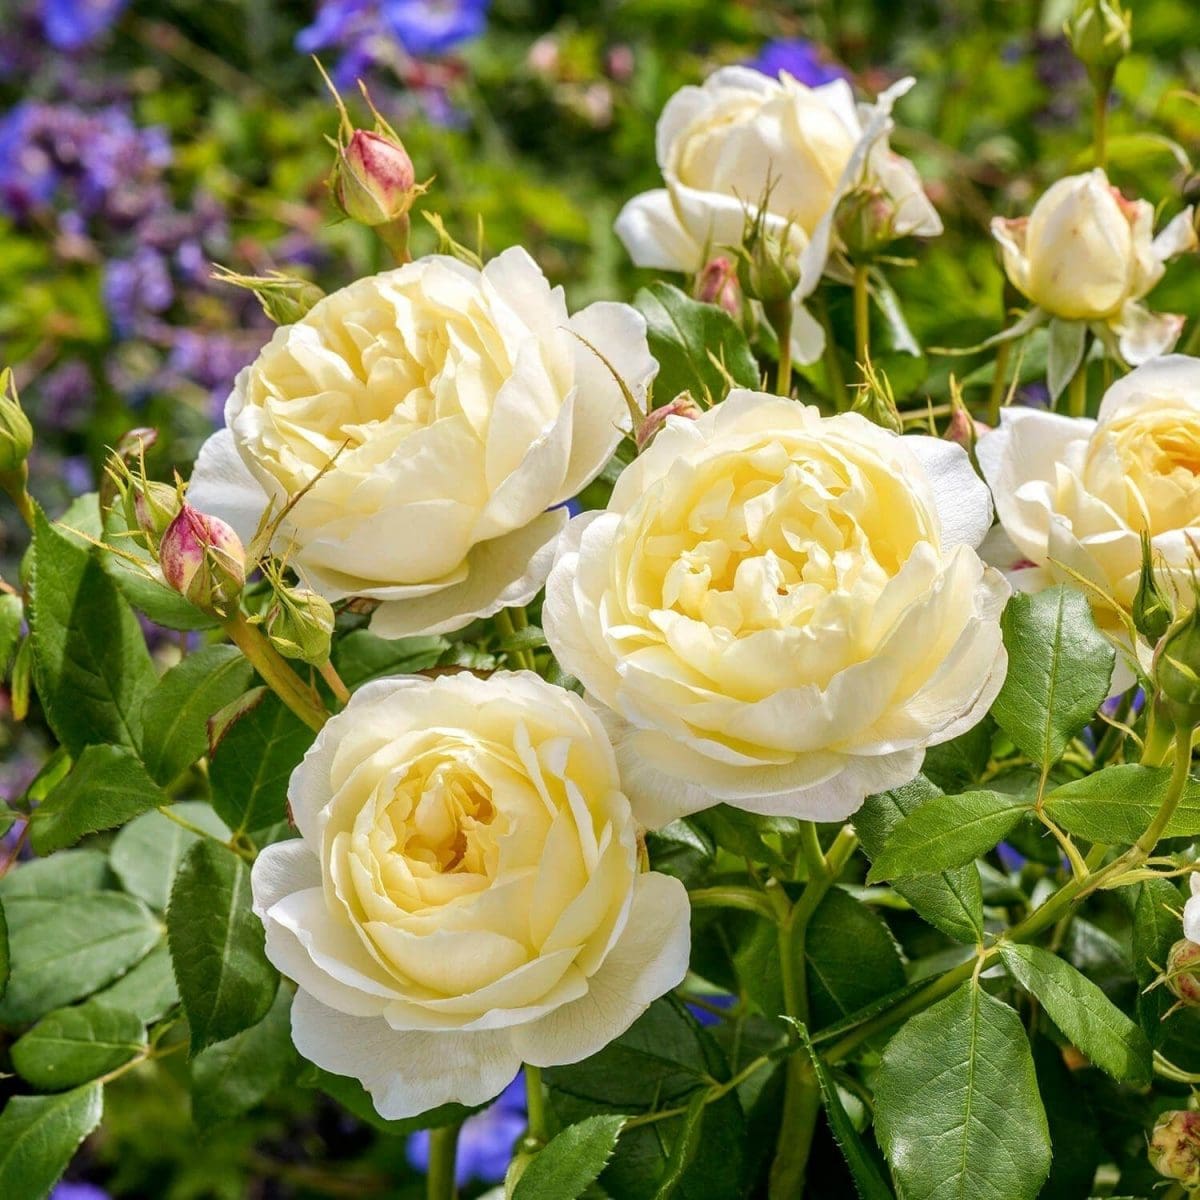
[(780, 610), (1074, 495), (457, 406), (465, 895), (1085, 253)]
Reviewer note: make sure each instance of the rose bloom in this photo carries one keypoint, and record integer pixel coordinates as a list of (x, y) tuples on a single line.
[(465, 893), (1074, 495), (781, 610), (1086, 253), (434, 413), (744, 136)]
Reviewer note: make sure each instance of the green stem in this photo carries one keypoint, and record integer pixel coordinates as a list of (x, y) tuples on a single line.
[(232, 845), (340, 691), (15, 483), (810, 848), (780, 316), (508, 629), (1180, 770), (275, 671), (862, 319), (535, 1102), (834, 375), (999, 380), (443, 1149), (798, 1123), (731, 896), (1101, 87), (1077, 391)]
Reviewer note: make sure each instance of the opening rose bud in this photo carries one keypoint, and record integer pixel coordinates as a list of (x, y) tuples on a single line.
[(203, 559), (1182, 975), (1175, 1146), (373, 180), (718, 284), (682, 406)]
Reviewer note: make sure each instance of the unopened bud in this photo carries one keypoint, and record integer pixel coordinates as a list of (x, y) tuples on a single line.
[(1176, 669), (203, 559), (866, 221), (964, 430), (876, 400), (682, 406), (16, 433), (300, 625), (284, 298), (768, 271), (1152, 610), (151, 506), (717, 284), (1174, 1148), (1180, 977), (131, 448), (373, 178), (1100, 34)]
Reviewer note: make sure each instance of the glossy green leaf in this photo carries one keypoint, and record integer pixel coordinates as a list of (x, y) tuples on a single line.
[(957, 1109), (1086, 1016), (225, 981), (946, 832), (233, 1076), (1059, 668), (148, 990), (107, 786), (175, 715), (91, 666), (12, 613), (40, 1134), (1156, 905), (1117, 804), (250, 769), (951, 901), (66, 948), (683, 333), (66, 873), (361, 656), (146, 854), (571, 1161), (70, 1046)]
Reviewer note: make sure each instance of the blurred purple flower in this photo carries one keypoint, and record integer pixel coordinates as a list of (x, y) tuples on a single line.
[(485, 1143), (1011, 859), (430, 27), (78, 1191), (74, 24), (805, 61), (704, 1014), (134, 287), (76, 472)]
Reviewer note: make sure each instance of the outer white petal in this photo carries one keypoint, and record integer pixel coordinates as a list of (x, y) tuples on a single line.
[(281, 869), (1191, 915), (808, 335), (651, 231), (618, 332), (503, 572), (962, 498), (222, 486), (1144, 335), (405, 1073), (1174, 376), (648, 960), (1177, 237)]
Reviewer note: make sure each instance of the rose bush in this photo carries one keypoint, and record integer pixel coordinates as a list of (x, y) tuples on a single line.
[(464, 895), (464, 406), (782, 610)]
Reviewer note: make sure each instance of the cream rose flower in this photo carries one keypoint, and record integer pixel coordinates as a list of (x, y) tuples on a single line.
[(1074, 495), (1085, 253), (721, 148), (781, 610), (457, 407), (465, 893)]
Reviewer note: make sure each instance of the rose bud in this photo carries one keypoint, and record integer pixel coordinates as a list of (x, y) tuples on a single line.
[(718, 284), (1176, 668), (1174, 1148), (682, 406), (373, 180), (866, 221), (300, 625), (1152, 610), (203, 559), (1183, 963), (284, 298), (1100, 34), (768, 267), (1085, 253), (16, 433), (151, 506)]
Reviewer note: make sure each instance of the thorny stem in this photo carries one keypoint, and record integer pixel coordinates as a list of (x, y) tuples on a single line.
[(275, 671)]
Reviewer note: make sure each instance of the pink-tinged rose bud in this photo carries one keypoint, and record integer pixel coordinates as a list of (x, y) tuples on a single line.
[(1174, 1148), (373, 179), (963, 429), (1181, 977), (718, 284), (620, 63), (203, 559), (682, 406), (151, 506)]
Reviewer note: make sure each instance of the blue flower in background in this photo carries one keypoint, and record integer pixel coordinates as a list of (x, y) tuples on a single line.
[(74, 24), (704, 1014), (800, 58), (137, 286), (78, 1191), (435, 26), (485, 1143)]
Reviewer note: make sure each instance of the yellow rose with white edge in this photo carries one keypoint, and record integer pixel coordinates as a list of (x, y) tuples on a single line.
[(436, 415), (1074, 495), (743, 136), (1085, 253), (780, 610), (465, 895)]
